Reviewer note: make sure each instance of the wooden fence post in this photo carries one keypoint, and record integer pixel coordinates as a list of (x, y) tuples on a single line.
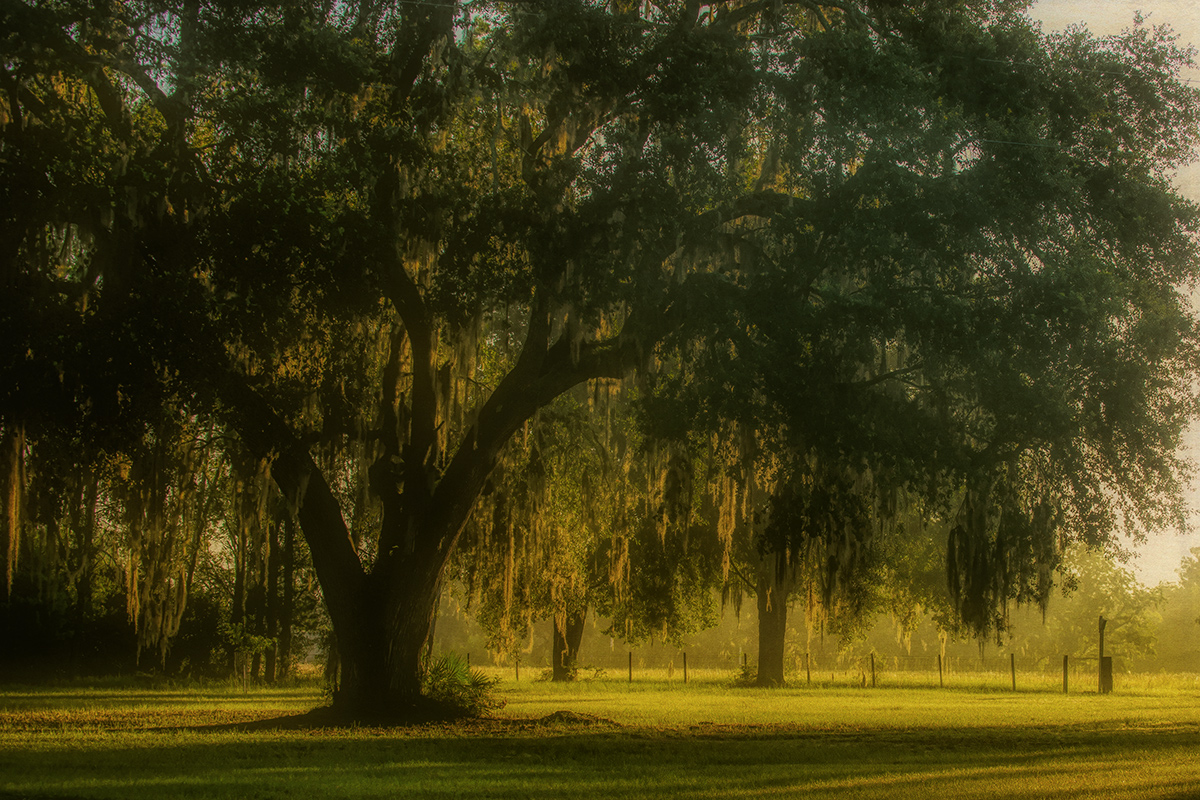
[(1012, 662), (1106, 675)]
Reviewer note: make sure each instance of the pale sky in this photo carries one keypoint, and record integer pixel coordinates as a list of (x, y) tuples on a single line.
[(1159, 559)]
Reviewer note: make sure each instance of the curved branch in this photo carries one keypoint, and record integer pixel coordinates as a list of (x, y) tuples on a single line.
[(268, 436), (516, 401)]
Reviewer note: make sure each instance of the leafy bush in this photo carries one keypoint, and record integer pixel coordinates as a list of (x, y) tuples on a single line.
[(451, 683), (746, 675)]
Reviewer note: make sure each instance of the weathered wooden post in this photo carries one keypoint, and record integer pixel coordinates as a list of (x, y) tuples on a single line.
[(1105, 682), (1012, 661), (517, 668)]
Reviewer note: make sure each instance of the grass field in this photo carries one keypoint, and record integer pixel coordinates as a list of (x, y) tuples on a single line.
[(653, 738)]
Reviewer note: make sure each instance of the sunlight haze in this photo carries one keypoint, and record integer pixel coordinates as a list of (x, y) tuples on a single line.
[(1159, 558)]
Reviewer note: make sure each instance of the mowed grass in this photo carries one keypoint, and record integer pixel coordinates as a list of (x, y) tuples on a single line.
[(653, 738)]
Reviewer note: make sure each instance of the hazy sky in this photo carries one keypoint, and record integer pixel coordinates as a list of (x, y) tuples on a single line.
[(1110, 16), (1160, 557)]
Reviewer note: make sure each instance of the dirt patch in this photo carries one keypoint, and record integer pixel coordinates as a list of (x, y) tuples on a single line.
[(574, 718)]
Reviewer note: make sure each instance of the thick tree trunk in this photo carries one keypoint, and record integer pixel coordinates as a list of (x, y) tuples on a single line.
[(567, 639), (381, 651), (382, 619), (774, 586)]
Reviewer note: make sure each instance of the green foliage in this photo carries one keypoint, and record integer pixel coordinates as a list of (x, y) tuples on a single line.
[(450, 683), (1095, 585), (667, 593), (585, 514), (955, 303), (1177, 631), (923, 244), (745, 676), (244, 643)]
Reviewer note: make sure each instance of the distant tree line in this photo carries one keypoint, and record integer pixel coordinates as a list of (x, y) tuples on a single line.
[(1148, 628), (176, 556)]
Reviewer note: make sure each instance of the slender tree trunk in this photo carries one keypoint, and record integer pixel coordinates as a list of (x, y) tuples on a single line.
[(774, 586), (567, 639), (287, 605), (272, 602), (237, 611), (13, 446), (87, 534)]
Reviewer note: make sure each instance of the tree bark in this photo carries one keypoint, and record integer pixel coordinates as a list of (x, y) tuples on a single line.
[(774, 586), (381, 668), (382, 618), (237, 610), (567, 639), (271, 606), (287, 608), (86, 525), (13, 446)]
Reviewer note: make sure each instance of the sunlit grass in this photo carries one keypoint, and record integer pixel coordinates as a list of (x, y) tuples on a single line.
[(704, 739), (1080, 680), (973, 699)]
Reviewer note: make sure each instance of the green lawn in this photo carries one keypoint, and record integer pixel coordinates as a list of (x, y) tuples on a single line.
[(665, 739)]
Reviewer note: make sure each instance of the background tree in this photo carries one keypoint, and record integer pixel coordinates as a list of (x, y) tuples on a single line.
[(977, 307), (585, 516), (1177, 632), (1094, 585), (108, 545), (529, 552)]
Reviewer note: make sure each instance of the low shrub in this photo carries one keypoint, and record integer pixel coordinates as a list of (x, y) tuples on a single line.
[(451, 683)]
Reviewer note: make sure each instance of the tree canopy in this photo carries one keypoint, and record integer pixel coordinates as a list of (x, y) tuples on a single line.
[(973, 301)]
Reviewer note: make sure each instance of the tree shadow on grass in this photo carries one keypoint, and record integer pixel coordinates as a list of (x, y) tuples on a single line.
[(585, 761), (328, 718), (590, 758)]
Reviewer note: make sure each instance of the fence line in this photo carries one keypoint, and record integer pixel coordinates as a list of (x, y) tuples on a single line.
[(1002, 672)]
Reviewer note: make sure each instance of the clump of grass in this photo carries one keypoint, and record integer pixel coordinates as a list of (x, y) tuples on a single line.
[(575, 674), (745, 676), (454, 686)]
